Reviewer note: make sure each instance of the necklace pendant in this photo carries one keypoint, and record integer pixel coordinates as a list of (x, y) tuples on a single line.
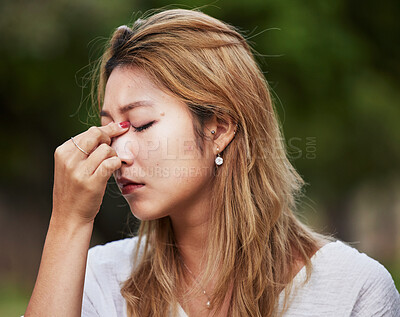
[(208, 304)]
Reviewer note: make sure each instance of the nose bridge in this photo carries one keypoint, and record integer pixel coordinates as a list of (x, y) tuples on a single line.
[(125, 147)]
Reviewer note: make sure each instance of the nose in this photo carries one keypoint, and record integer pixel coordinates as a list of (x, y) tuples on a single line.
[(125, 146)]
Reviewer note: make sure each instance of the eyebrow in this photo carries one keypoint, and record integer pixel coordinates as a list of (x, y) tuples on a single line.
[(128, 107)]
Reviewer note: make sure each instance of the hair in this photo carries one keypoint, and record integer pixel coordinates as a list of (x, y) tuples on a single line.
[(254, 235)]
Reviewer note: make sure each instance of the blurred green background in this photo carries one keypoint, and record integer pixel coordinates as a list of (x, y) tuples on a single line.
[(334, 70)]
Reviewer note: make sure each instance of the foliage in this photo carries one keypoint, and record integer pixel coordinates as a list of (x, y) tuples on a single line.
[(333, 67)]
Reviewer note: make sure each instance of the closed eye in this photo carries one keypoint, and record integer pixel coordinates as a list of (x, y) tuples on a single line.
[(143, 127)]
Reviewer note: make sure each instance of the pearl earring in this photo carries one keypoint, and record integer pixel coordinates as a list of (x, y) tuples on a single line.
[(219, 160)]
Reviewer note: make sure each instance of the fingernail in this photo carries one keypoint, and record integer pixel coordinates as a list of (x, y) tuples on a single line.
[(124, 124)]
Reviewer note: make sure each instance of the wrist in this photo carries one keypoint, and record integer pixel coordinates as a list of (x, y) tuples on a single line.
[(70, 223)]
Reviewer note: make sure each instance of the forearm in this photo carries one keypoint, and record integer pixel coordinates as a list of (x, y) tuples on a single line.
[(80, 180), (59, 285)]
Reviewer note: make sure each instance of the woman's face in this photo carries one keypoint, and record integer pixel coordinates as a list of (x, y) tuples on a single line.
[(159, 149)]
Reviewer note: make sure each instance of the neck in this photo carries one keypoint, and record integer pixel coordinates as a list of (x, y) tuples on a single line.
[(190, 228), (190, 233)]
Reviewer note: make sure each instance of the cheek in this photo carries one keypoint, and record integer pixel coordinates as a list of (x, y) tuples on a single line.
[(191, 170), (169, 141), (169, 152)]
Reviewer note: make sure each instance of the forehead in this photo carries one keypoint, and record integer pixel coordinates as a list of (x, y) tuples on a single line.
[(130, 87)]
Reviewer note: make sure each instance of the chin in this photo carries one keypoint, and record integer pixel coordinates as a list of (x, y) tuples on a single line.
[(143, 215)]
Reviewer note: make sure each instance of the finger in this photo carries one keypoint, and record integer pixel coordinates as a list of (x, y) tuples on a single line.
[(106, 168), (88, 141), (114, 129), (94, 136), (102, 152)]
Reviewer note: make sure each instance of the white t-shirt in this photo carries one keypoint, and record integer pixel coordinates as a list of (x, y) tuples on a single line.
[(344, 282)]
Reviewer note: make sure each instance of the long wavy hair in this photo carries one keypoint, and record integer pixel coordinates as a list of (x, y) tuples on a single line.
[(254, 237)]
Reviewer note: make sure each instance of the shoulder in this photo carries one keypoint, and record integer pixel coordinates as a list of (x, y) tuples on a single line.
[(340, 256), (114, 257), (376, 293), (120, 248), (343, 282), (108, 266), (342, 260), (355, 278)]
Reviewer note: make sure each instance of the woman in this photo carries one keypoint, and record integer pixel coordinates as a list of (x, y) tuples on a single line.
[(189, 132)]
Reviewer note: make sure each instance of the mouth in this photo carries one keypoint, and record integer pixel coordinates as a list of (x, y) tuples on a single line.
[(127, 186)]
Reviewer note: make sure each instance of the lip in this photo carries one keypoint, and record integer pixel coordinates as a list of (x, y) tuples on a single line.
[(128, 186)]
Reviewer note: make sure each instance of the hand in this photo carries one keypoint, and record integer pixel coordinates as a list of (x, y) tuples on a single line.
[(80, 180)]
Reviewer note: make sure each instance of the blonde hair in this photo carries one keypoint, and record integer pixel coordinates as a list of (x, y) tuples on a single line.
[(254, 236)]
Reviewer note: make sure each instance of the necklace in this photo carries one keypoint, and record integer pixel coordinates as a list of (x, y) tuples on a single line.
[(208, 304)]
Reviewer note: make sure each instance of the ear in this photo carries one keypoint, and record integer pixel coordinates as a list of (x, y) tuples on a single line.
[(224, 129)]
